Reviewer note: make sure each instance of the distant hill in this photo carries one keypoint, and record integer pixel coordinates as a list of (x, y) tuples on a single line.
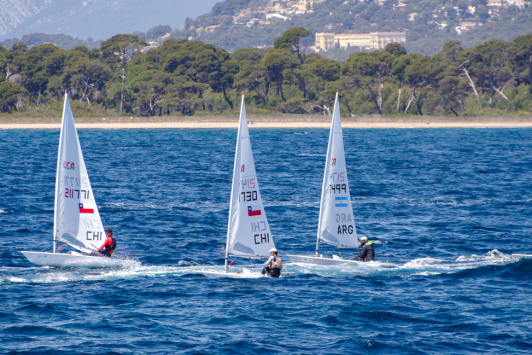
[(60, 41), (98, 19), (234, 24)]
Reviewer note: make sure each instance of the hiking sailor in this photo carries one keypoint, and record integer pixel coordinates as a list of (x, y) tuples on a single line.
[(274, 264), (109, 246), (367, 253)]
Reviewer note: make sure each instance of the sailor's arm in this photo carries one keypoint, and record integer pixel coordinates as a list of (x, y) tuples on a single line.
[(106, 243), (363, 252), (269, 261)]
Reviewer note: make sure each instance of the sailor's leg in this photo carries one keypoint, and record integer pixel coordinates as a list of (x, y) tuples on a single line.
[(267, 271), (275, 272)]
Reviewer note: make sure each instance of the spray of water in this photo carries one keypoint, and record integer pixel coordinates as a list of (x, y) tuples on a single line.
[(422, 266)]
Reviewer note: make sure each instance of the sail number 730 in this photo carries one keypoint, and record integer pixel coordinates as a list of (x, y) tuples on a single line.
[(247, 196)]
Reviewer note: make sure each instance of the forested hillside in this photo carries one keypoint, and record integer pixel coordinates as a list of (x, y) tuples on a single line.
[(192, 77), (234, 24), (428, 23)]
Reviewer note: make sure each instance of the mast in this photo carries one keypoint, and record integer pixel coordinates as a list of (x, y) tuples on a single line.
[(57, 170), (325, 173), (235, 167)]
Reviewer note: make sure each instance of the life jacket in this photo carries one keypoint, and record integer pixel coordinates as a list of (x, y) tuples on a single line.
[(370, 252), (113, 245), (277, 262)]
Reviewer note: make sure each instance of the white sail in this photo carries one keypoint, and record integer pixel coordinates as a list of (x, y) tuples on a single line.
[(76, 217), (248, 231), (336, 222)]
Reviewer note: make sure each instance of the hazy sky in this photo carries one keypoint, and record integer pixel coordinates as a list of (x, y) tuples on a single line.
[(99, 19)]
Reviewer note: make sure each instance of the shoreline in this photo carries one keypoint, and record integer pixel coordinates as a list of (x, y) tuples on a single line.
[(267, 125), (271, 122)]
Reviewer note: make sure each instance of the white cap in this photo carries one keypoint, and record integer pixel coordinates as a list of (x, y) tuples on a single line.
[(274, 250), (364, 239)]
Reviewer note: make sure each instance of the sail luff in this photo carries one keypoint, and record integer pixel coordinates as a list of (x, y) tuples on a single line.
[(57, 171), (325, 175), (336, 222), (76, 217), (249, 232), (236, 178)]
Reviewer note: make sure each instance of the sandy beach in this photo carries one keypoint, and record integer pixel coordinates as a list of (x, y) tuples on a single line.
[(270, 122)]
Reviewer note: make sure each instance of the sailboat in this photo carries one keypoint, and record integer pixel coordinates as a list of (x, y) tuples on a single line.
[(77, 221), (336, 224), (248, 231)]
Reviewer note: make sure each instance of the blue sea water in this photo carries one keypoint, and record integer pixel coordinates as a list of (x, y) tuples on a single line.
[(450, 207)]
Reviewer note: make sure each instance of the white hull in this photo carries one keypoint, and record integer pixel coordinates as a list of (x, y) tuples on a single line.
[(245, 274), (526, 256), (310, 259), (72, 259)]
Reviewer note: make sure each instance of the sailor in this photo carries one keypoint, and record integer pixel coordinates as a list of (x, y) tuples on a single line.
[(274, 264), (109, 246), (367, 253)]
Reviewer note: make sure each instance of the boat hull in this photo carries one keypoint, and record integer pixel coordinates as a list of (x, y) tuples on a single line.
[(70, 259), (245, 274), (526, 256), (310, 259)]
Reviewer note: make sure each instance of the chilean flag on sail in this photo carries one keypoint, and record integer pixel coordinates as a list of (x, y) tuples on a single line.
[(86, 208), (254, 211)]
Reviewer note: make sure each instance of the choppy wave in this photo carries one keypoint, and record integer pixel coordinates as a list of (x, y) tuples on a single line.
[(57, 275), (422, 266), (439, 200)]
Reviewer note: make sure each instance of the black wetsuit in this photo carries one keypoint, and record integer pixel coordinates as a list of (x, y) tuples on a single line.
[(367, 253), (272, 271)]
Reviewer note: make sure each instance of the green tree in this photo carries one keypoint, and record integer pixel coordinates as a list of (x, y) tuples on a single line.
[(454, 79), (399, 63), (10, 95), (119, 49), (421, 75), (252, 75), (490, 61), (276, 61), (152, 90), (522, 62), (35, 67), (371, 69), (88, 76), (4, 64), (226, 79), (291, 40), (451, 89), (202, 63), (326, 69), (397, 71), (395, 49)]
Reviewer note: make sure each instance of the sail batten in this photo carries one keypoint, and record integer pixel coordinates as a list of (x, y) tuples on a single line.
[(248, 233), (76, 217), (336, 224)]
